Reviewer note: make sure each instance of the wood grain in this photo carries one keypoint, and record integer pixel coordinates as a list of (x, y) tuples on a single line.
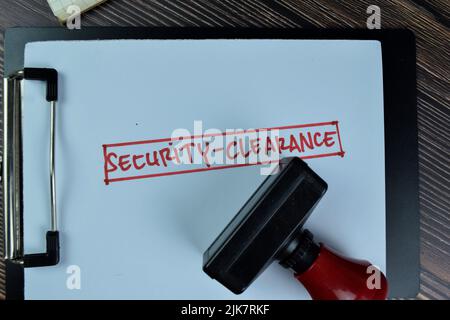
[(429, 19)]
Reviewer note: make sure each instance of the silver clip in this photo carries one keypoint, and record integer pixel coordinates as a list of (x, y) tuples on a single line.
[(12, 169)]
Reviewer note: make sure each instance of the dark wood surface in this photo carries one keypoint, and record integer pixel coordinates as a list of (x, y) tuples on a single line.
[(428, 19)]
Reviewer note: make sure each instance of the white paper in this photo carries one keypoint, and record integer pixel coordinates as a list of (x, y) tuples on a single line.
[(144, 238)]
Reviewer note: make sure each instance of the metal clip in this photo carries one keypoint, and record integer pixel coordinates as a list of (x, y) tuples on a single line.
[(12, 169)]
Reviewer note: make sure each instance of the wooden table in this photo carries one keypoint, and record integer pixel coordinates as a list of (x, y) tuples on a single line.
[(428, 19)]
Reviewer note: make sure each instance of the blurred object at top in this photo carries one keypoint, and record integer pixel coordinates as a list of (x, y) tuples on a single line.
[(62, 10)]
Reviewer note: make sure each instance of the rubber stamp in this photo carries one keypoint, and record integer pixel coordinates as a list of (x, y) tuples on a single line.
[(269, 228)]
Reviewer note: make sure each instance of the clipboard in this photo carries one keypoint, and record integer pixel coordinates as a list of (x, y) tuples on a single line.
[(400, 131)]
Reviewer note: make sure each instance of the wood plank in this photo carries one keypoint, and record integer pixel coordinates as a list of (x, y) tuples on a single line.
[(428, 19)]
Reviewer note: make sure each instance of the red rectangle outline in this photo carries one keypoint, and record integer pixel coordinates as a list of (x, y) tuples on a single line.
[(341, 153)]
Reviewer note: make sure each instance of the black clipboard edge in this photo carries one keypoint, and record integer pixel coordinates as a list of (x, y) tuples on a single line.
[(401, 133)]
